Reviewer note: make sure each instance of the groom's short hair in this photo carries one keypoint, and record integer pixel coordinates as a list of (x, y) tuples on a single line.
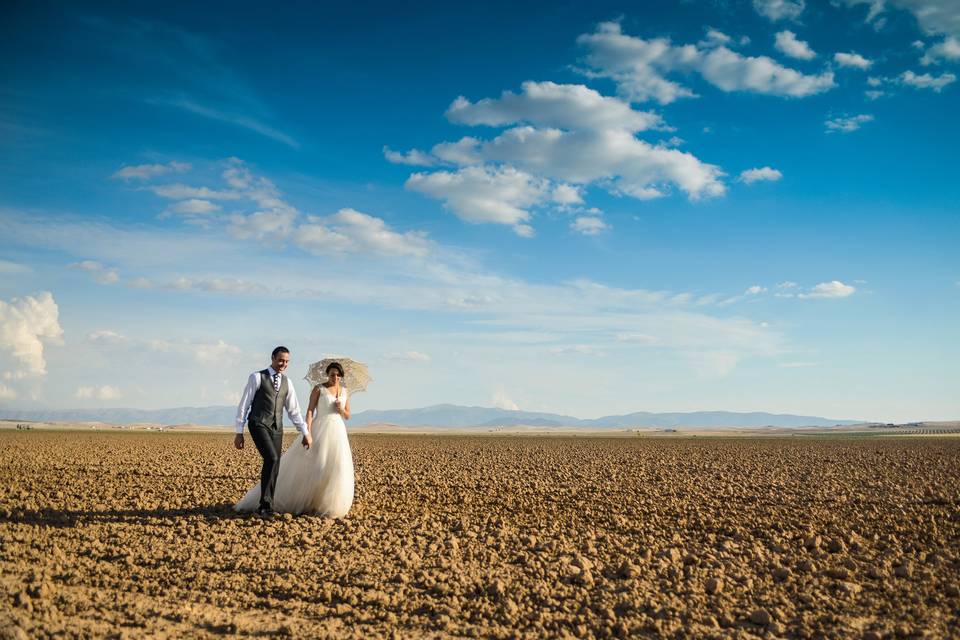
[(280, 349)]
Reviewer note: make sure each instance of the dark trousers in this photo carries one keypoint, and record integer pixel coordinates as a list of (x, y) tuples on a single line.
[(269, 442)]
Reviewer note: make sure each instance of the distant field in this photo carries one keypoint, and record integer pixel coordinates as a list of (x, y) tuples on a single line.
[(131, 532)]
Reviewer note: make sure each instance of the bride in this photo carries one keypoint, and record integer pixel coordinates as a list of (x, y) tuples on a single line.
[(319, 479)]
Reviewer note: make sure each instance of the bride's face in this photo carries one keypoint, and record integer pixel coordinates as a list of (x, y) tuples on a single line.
[(333, 376)]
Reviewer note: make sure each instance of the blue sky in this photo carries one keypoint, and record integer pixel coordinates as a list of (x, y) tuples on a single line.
[(591, 208)]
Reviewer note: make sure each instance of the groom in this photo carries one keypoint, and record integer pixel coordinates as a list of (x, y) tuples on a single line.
[(267, 394)]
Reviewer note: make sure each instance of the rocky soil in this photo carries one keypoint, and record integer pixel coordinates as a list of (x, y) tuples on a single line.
[(132, 535)]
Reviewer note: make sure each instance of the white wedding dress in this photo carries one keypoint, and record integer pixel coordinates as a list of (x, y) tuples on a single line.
[(319, 479)]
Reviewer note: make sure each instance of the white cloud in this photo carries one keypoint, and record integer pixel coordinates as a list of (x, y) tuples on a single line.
[(100, 273), (946, 50), (502, 401), (485, 194), (636, 338), (194, 207), (237, 119), (408, 356), (462, 153), (873, 94), (761, 174), (776, 10), (178, 191), (566, 194), (616, 159), (578, 350), (551, 105), (715, 38), (413, 157), (847, 124), (851, 59), (350, 231), (106, 392), (274, 218), (787, 284), (12, 268), (147, 171), (272, 225), (933, 16), (640, 68), (787, 42), (926, 81), (755, 290), (106, 337), (6, 393), (218, 353), (25, 325), (589, 225), (832, 289)]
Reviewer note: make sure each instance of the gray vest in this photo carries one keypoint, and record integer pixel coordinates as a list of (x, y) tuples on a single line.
[(266, 410)]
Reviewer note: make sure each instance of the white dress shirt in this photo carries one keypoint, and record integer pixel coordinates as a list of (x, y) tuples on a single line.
[(291, 405)]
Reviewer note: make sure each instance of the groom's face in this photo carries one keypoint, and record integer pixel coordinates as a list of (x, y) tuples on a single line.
[(281, 361)]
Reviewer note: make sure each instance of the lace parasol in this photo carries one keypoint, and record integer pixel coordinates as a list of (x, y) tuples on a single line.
[(356, 377)]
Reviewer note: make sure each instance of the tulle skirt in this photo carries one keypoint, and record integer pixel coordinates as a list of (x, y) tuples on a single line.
[(318, 480)]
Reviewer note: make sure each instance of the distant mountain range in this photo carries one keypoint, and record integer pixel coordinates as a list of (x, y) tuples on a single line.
[(441, 415)]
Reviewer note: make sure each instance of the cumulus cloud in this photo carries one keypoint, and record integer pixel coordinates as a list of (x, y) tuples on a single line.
[(847, 124), (274, 218), (775, 10), (615, 158), (502, 401), (756, 175), (179, 191), (413, 157), (640, 68), (217, 353), (106, 337), (754, 290), (99, 272), (501, 195), (832, 289), (350, 231), (566, 194), (194, 207), (562, 106), (925, 80), (408, 356), (933, 16), (11, 268), (147, 171), (851, 59), (26, 324), (6, 393), (577, 349), (946, 50), (106, 392), (589, 225), (787, 43), (262, 212)]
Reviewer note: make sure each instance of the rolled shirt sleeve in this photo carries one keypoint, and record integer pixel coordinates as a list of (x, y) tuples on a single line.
[(253, 383), (293, 409)]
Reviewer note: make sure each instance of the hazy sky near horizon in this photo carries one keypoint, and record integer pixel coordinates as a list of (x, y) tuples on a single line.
[(584, 208)]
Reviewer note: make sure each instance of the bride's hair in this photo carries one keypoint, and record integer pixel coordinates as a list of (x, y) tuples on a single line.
[(334, 365)]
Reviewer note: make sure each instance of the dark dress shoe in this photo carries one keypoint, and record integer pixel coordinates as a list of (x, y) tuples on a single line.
[(265, 512)]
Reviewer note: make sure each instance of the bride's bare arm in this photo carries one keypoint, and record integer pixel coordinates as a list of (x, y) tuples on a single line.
[(346, 409), (314, 399)]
